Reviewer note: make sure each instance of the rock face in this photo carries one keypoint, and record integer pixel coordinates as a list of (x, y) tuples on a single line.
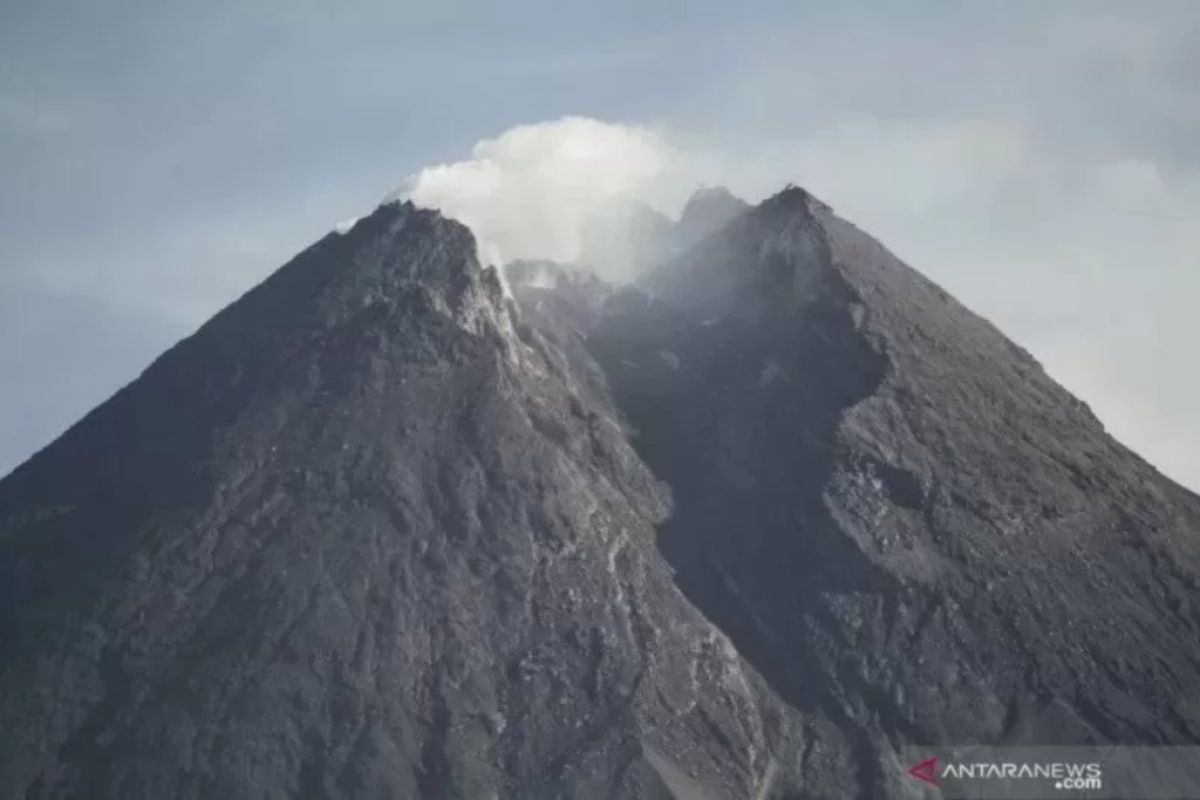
[(896, 516), (741, 531)]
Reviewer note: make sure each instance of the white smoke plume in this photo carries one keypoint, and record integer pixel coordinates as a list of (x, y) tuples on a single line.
[(528, 193)]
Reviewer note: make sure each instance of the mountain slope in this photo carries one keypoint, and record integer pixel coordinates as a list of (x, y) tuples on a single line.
[(745, 530), (357, 538), (896, 516)]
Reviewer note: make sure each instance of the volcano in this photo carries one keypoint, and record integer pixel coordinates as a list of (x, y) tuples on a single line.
[(397, 525)]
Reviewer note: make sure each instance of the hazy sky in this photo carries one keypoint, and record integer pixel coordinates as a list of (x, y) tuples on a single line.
[(1041, 160)]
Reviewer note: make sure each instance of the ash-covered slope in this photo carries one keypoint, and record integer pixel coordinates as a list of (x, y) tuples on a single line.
[(743, 532), (359, 538), (897, 517)]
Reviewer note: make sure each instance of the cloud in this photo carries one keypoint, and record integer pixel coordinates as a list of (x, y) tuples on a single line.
[(527, 193)]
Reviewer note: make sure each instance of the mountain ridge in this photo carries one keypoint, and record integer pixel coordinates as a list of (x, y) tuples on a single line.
[(746, 528)]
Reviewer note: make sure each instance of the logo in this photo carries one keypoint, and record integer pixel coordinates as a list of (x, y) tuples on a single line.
[(925, 771), (1065, 774), (1038, 772)]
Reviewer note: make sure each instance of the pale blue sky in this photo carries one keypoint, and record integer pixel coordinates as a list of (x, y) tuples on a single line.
[(1040, 159)]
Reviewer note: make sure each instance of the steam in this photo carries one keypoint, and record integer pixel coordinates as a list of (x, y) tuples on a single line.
[(531, 192)]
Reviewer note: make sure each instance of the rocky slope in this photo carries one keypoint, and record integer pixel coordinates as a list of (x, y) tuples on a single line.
[(743, 531), (897, 517), (357, 537)]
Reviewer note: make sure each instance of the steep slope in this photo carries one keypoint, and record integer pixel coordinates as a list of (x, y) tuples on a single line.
[(898, 518), (357, 537), (744, 531)]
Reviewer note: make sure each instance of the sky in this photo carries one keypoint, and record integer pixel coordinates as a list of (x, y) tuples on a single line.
[(1040, 160)]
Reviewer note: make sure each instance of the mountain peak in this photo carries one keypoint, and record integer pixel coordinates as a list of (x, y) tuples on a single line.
[(794, 198), (708, 209), (396, 226), (401, 248), (712, 195)]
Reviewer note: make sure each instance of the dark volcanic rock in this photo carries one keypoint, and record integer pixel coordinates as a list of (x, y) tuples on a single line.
[(358, 537), (897, 517), (744, 532)]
